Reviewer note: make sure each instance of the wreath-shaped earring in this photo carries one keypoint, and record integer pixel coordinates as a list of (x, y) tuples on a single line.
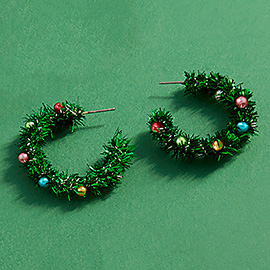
[(106, 173), (227, 142)]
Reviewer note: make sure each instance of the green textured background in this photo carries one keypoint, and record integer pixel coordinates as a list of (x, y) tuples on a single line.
[(166, 214)]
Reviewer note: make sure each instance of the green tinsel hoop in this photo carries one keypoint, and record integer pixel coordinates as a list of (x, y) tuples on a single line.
[(227, 142), (106, 173)]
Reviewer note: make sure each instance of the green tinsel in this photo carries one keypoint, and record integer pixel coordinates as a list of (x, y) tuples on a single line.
[(226, 91), (106, 173)]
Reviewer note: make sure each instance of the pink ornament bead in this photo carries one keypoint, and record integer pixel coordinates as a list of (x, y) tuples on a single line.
[(241, 102), (23, 157)]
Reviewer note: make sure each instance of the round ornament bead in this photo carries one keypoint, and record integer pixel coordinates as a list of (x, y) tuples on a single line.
[(242, 127), (181, 141), (43, 182), (81, 191), (29, 124), (241, 102), (217, 145), (57, 107), (23, 157), (156, 126)]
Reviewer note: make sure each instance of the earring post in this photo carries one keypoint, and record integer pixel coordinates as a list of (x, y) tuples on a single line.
[(173, 82), (98, 111)]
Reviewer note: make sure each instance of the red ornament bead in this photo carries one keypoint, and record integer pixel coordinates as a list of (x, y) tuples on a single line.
[(57, 107), (241, 102), (156, 126), (23, 157)]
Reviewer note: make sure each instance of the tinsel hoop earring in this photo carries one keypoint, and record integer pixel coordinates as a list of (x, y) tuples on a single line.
[(227, 142), (106, 173)]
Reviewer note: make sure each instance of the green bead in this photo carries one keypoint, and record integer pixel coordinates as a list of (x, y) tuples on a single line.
[(180, 141), (29, 124)]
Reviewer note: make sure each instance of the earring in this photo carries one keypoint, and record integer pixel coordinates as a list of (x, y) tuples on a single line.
[(227, 142), (117, 155)]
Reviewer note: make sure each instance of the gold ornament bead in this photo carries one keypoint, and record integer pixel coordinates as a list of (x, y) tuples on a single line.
[(29, 124), (81, 191), (180, 141), (217, 145)]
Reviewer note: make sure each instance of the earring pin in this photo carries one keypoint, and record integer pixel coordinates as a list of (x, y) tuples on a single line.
[(173, 82)]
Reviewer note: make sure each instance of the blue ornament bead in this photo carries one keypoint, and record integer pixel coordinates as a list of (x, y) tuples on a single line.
[(43, 182), (242, 126)]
